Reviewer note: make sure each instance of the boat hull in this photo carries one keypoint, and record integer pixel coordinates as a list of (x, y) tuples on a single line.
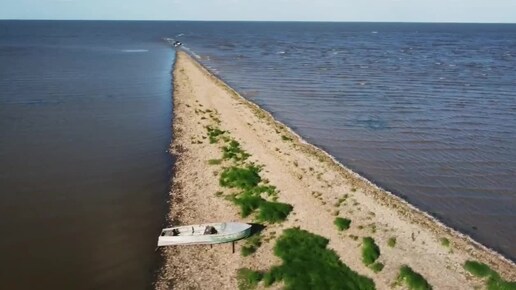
[(235, 231)]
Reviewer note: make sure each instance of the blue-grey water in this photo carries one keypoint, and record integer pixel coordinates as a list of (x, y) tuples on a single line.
[(425, 110)]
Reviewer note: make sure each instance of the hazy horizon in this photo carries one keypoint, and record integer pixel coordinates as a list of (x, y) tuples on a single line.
[(244, 20), (424, 11)]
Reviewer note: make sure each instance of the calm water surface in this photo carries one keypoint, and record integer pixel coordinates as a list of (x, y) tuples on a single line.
[(427, 111), (85, 112)]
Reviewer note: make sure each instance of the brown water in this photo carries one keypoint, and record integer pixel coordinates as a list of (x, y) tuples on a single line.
[(85, 111)]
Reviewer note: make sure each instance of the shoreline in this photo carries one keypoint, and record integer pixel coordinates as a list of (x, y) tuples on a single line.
[(392, 214)]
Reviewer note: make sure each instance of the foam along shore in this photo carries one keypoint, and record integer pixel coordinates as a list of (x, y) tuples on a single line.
[(377, 235)]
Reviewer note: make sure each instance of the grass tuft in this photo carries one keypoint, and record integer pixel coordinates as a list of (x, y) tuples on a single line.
[(250, 199), (370, 251), (238, 177), (214, 161), (413, 280), (268, 211), (376, 267), (268, 190), (248, 203), (214, 134), (252, 195), (391, 242), (248, 279), (309, 264), (251, 245), (342, 223), (445, 242), (478, 269), (233, 151), (494, 281), (273, 212)]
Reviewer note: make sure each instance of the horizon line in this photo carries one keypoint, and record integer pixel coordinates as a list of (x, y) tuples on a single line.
[(286, 21)]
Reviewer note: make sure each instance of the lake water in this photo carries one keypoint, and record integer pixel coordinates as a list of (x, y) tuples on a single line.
[(85, 112), (425, 110)]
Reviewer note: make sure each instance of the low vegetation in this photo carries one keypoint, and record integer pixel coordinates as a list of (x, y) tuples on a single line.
[(240, 177), (268, 211), (285, 138), (251, 245), (233, 151), (445, 242), (411, 279), (391, 242), (273, 212), (370, 251), (309, 264), (494, 281), (248, 279), (342, 223), (214, 133), (376, 267), (251, 198), (214, 161)]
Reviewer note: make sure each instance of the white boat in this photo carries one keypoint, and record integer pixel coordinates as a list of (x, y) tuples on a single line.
[(213, 233)]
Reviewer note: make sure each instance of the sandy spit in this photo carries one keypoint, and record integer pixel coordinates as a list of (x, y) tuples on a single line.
[(309, 179)]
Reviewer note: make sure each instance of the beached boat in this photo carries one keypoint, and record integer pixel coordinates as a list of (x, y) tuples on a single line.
[(213, 233)]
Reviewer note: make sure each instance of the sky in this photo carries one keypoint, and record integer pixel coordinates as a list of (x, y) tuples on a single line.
[(497, 11)]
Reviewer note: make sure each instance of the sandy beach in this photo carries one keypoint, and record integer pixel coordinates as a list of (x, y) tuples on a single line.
[(318, 188)]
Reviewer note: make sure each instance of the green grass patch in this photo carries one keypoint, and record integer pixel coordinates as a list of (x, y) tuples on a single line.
[(445, 242), (268, 211), (214, 134), (494, 281), (370, 251), (233, 151), (478, 269), (413, 280), (240, 177), (251, 245), (342, 223), (376, 267), (273, 212), (268, 190), (309, 264), (391, 242), (285, 138), (248, 279), (251, 198), (248, 203), (214, 161)]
